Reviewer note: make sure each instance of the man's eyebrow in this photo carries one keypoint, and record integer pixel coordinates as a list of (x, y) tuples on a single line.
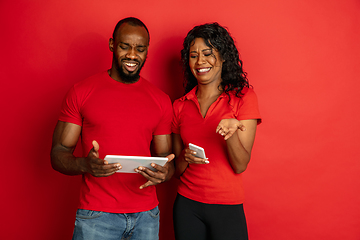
[(127, 44)]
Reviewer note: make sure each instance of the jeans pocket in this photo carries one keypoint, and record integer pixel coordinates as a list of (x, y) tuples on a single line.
[(155, 212), (87, 214)]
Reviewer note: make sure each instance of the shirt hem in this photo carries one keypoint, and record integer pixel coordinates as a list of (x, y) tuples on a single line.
[(202, 200), (112, 210)]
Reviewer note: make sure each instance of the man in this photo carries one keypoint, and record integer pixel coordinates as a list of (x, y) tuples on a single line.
[(116, 112)]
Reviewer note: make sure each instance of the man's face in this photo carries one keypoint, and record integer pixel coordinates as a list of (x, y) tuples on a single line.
[(129, 48)]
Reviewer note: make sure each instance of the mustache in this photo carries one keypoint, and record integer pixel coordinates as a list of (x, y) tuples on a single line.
[(131, 60)]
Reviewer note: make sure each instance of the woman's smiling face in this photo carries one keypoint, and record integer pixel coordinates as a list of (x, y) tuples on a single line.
[(205, 62)]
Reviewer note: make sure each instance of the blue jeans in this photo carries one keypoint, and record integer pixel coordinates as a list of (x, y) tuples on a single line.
[(93, 225)]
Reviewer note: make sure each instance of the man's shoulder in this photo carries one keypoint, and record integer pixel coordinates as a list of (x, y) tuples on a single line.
[(152, 88), (89, 81)]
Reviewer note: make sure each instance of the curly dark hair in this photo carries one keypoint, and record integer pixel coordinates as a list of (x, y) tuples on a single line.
[(218, 38)]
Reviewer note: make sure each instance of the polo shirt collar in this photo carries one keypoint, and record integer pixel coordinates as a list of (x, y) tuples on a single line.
[(192, 95)]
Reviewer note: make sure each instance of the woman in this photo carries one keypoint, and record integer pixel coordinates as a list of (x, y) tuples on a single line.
[(219, 113)]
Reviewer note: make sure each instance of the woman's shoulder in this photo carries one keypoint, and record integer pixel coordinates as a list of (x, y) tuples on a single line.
[(246, 93), (247, 97), (178, 104), (188, 96)]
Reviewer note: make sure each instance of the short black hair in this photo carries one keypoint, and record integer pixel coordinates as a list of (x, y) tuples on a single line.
[(133, 22), (218, 38)]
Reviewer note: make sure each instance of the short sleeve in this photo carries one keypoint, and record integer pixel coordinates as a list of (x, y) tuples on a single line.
[(164, 126), (70, 109), (248, 107), (175, 128)]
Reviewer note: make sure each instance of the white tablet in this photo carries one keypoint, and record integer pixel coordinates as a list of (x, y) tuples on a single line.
[(129, 163)]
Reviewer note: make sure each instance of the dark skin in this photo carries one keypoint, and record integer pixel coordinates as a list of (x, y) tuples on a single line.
[(239, 135), (130, 48)]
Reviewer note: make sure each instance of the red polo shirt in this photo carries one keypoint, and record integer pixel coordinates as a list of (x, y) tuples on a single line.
[(216, 182)]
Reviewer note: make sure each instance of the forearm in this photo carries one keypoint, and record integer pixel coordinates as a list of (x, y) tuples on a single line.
[(65, 162), (180, 165), (239, 157), (169, 165), (162, 147), (171, 170)]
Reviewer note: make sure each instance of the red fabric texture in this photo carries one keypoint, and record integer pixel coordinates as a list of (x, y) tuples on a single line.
[(122, 118), (216, 182)]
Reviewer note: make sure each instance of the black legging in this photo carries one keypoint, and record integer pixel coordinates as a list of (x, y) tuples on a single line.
[(200, 221)]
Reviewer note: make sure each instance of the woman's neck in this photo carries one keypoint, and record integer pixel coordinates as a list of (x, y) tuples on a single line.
[(206, 96), (207, 91)]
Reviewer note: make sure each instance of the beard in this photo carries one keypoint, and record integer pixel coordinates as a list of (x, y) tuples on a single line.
[(127, 77)]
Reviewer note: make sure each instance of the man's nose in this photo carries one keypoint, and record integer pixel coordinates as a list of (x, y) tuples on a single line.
[(131, 53)]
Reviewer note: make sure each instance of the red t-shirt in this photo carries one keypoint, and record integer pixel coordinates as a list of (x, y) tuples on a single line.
[(216, 182), (122, 118)]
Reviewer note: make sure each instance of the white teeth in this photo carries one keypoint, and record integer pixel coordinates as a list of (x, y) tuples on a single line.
[(203, 69), (131, 64)]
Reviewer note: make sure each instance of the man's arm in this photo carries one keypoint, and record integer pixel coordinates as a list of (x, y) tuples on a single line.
[(64, 142), (180, 163), (161, 147)]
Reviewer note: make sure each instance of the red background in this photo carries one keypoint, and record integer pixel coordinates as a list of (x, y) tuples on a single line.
[(302, 57)]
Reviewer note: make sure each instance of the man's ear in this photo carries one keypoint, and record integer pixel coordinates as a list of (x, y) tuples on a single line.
[(111, 44)]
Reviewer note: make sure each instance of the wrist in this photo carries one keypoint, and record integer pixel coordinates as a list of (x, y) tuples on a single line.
[(80, 162)]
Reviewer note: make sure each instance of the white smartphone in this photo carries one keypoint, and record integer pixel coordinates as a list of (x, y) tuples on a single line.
[(200, 152)]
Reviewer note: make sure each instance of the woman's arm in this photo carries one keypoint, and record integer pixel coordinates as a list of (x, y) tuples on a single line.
[(239, 137), (180, 163), (184, 156)]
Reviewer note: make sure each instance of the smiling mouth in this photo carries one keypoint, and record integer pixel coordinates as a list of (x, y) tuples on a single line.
[(203, 70), (130, 66)]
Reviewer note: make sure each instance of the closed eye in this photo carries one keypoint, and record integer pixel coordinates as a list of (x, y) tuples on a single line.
[(124, 47), (207, 53), (142, 49)]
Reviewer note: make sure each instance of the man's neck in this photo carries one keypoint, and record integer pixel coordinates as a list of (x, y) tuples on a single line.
[(113, 73)]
